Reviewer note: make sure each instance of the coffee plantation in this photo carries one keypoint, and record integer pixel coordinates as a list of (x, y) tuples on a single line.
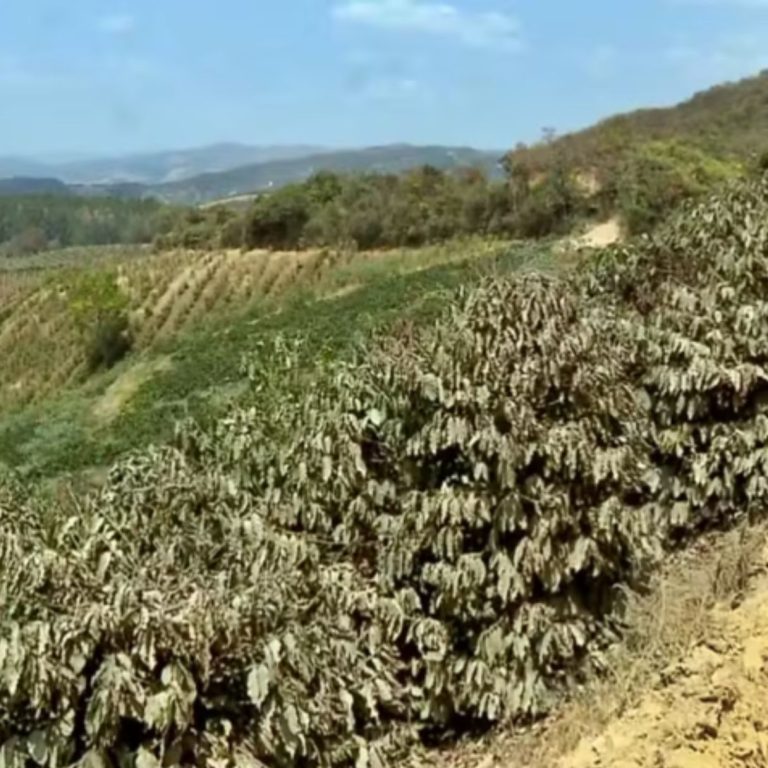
[(423, 542)]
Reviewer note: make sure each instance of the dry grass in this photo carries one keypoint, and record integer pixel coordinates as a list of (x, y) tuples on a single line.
[(168, 293)]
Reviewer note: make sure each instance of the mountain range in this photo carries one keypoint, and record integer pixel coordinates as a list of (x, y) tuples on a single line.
[(263, 176), (206, 174), (150, 168)]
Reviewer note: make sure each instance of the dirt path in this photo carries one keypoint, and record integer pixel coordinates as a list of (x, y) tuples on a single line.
[(709, 710), (125, 386), (600, 235), (596, 236)]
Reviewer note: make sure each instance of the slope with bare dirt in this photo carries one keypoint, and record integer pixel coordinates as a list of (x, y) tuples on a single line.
[(684, 689), (708, 709)]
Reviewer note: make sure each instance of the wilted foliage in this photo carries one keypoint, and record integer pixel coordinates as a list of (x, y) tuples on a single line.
[(165, 619), (421, 542), (410, 547), (703, 353)]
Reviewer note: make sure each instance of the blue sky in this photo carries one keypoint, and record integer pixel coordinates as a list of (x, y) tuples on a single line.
[(100, 76)]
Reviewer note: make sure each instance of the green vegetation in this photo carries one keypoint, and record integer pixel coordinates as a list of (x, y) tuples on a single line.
[(32, 224), (388, 502), (674, 153), (421, 206), (74, 257), (425, 538), (100, 311), (638, 166), (214, 227), (335, 314), (656, 177), (728, 121)]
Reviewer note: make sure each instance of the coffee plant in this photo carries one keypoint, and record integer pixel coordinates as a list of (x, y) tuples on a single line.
[(695, 297), (422, 542)]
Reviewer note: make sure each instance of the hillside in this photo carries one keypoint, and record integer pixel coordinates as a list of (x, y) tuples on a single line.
[(193, 316), (416, 207), (44, 218), (465, 525), (25, 185), (728, 121), (23, 166)]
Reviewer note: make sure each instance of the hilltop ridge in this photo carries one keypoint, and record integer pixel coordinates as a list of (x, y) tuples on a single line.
[(729, 120)]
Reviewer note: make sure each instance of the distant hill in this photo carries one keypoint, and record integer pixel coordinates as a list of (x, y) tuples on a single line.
[(163, 167), (21, 166), (283, 166), (729, 121), (150, 168), (261, 176), (21, 185)]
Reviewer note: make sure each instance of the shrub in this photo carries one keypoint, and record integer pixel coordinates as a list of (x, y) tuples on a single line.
[(110, 341), (30, 241), (277, 220), (31, 223), (404, 547), (547, 209), (658, 176), (369, 211), (100, 311), (761, 164), (702, 354), (483, 472)]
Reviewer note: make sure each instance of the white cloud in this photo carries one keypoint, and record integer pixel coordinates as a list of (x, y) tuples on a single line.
[(482, 29), (117, 24)]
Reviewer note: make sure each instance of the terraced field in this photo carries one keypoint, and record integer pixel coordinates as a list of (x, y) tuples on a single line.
[(168, 293), (194, 315)]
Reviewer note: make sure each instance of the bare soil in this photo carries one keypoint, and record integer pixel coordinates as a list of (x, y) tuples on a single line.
[(600, 235), (708, 710), (688, 688)]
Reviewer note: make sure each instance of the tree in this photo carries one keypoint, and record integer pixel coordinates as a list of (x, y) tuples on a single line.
[(31, 240), (100, 311), (277, 220)]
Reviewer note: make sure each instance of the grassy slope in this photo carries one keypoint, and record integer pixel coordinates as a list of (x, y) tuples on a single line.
[(63, 434)]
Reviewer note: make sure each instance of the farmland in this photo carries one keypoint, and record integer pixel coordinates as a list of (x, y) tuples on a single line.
[(373, 549), (385, 470), (194, 315)]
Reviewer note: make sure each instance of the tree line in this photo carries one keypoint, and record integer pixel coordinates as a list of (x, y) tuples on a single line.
[(367, 211), (33, 223), (427, 205), (421, 206)]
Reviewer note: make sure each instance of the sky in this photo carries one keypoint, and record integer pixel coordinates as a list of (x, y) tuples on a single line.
[(112, 76)]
